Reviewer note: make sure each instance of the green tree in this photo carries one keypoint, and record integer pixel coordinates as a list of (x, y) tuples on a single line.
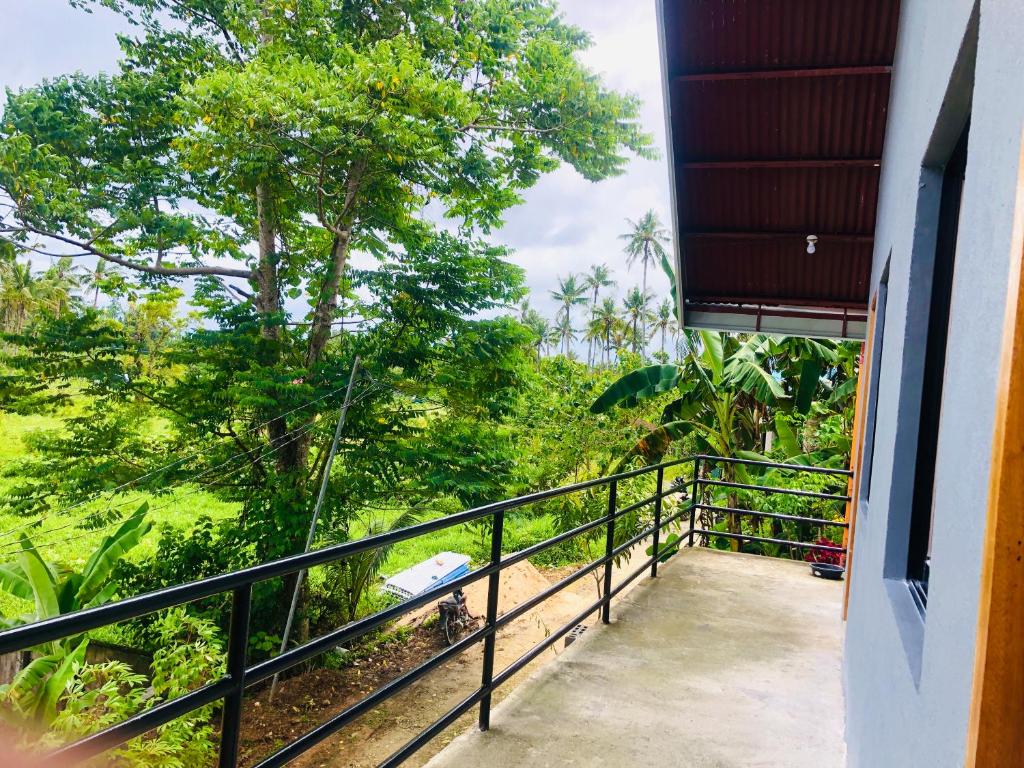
[(607, 314), (566, 333), (598, 278), (663, 322), (254, 147), (636, 314)]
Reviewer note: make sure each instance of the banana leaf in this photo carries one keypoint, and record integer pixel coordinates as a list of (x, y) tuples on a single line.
[(655, 445), (810, 377), (636, 386), (14, 581), (44, 594), (787, 437), (97, 570)]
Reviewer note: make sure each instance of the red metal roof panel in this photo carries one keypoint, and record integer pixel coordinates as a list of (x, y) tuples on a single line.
[(731, 35), (807, 200), (792, 117)]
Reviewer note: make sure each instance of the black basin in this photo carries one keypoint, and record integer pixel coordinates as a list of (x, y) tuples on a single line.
[(827, 571)]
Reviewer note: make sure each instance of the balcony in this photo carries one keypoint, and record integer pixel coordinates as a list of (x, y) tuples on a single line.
[(720, 659), (723, 660)]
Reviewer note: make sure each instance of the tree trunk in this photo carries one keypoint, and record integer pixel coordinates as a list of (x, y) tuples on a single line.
[(327, 303)]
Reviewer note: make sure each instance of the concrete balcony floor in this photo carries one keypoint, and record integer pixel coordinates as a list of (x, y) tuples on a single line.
[(724, 660)]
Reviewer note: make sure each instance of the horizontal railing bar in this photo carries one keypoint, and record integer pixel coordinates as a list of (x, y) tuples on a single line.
[(340, 636), (431, 731), (553, 638), (343, 718), (775, 516), (767, 540), (639, 571), (772, 489), (344, 634), (109, 738), (773, 465), (313, 737), (527, 605), (94, 744), (642, 503), (543, 645), (48, 630)]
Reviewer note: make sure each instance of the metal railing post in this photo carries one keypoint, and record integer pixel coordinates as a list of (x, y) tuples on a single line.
[(238, 644), (657, 522), (606, 609), (493, 582), (694, 499)]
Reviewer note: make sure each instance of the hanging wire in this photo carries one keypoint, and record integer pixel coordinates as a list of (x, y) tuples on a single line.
[(6, 534), (300, 432)]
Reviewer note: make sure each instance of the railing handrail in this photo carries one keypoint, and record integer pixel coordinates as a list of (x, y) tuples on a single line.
[(230, 687), (773, 465), (57, 627)]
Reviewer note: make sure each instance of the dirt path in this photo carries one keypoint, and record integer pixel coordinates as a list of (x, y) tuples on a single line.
[(304, 702)]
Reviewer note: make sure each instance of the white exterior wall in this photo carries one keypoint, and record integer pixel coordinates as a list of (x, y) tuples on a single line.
[(908, 679)]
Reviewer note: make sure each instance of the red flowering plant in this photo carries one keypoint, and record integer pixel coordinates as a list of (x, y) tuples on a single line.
[(824, 555)]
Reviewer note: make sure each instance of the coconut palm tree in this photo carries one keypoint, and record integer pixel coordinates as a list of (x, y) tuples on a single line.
[(593, 333), (566, 333), (554, 337), (570, 293), (664, 322), (540, 328), (599, 277), (645, 242), (59, 283), (21, 294), (97, 278), (607, 314), (636, 315)]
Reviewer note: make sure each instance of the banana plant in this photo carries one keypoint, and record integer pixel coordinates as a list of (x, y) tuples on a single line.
[(724, 389), (36, 688)]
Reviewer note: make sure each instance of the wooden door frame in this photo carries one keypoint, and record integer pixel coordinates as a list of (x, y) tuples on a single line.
[(995, 737), (857, 453)]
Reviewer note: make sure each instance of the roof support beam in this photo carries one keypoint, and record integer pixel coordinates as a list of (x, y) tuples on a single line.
[(782, 74), (743, 165), (844, 237)]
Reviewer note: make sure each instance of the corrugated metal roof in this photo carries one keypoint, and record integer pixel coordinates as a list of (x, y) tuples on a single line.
[(734, 35), (826, 116), (778, 112), (811, 199)]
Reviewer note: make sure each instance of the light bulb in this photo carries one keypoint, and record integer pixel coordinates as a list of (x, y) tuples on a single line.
[(811, 242)]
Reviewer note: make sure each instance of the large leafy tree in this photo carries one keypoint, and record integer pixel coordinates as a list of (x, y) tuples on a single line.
[(256, 145), (251, 147)]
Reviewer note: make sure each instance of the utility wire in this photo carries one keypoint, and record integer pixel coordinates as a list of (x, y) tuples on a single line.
[(296, 433), (300, 432), (113, 492), (56, 542)]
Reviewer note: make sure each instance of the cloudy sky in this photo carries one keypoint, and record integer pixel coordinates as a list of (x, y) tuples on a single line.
[(566, 223)]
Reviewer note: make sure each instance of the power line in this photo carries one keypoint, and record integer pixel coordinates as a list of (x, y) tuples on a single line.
[(114, 491), (301, 431)]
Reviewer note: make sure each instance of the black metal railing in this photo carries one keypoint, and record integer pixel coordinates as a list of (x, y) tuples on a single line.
[(231, 687), (705, 482)]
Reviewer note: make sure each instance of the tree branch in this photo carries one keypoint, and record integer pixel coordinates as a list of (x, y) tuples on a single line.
[(246, 274)]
